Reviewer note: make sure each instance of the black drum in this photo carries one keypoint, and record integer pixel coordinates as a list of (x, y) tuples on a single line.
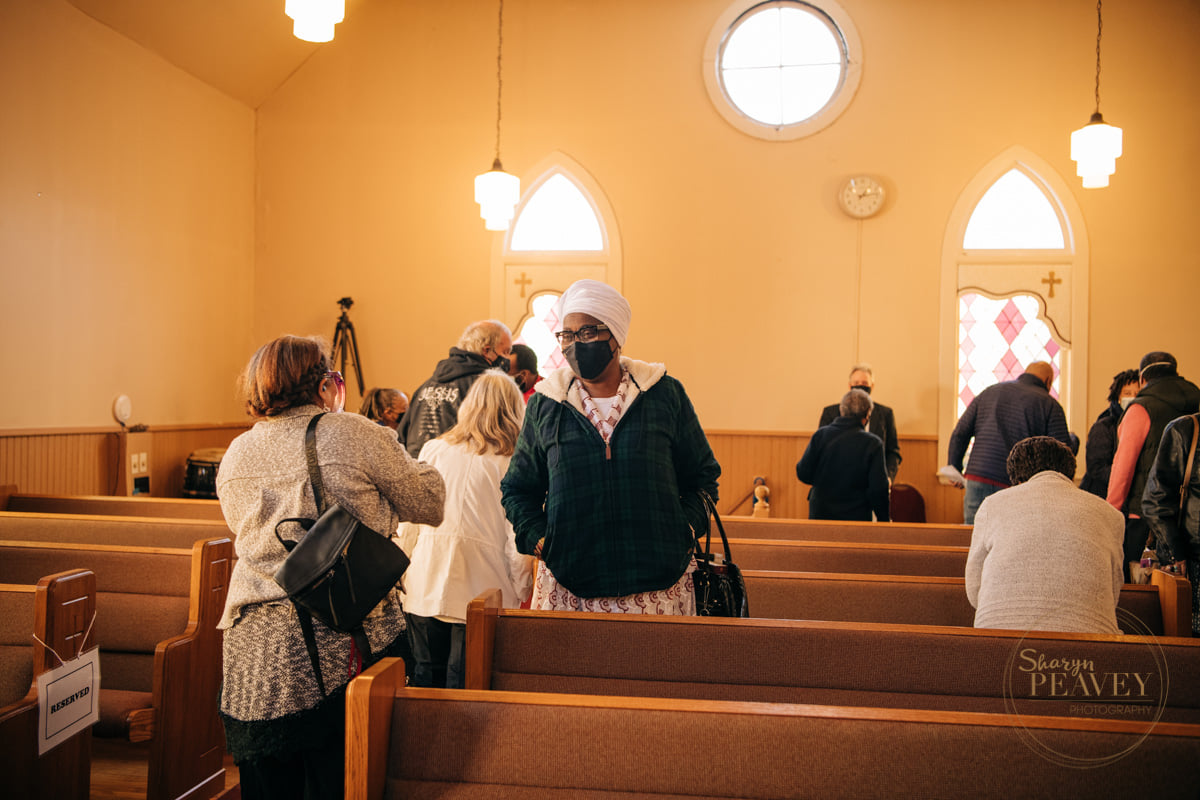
[(200, 480)]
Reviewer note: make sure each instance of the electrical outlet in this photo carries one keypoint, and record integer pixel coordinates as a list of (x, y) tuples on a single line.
[(133, 463), (142, 463)]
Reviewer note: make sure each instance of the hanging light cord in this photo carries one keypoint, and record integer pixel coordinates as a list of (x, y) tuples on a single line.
[(1099, 31), (500, 80)]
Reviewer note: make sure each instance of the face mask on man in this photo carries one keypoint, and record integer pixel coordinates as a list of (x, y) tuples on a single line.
[(502, 363), (589, 359), (1125, 401), (866, 389)]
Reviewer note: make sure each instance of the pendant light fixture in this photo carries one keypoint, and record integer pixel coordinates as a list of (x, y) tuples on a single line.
[(1096, 146), (496, 191), (314, 19)]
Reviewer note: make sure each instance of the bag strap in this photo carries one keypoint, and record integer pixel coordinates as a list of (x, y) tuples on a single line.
[(1187, 472), (314, 470), (710, 509), (310, 642)]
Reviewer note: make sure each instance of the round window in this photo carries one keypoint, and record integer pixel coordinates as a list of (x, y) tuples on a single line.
[(782, 69)]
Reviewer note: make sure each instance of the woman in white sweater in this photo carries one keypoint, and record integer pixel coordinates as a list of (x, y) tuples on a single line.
[(474, 549)]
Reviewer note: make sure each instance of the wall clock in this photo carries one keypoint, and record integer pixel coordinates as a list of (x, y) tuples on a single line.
[(861, 197)]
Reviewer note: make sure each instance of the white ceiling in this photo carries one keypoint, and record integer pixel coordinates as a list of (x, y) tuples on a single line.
[(244, 48)]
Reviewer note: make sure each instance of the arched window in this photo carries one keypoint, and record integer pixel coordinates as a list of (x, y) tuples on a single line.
[(1014, 286), (564, 230)]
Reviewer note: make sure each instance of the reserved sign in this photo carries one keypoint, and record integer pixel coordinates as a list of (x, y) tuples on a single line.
[(68, 699)]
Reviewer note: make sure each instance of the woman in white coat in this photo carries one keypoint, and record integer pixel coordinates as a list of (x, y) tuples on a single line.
[(474, 549)]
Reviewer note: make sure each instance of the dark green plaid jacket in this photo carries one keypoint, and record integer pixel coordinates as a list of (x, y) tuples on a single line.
[(613, 525)]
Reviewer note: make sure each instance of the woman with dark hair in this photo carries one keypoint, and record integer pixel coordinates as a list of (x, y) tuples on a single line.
[(285, 736), (1102, 438), (385, 406), (1044, 555)]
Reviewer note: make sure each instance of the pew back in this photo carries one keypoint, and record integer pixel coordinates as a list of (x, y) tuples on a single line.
[(29, 526), (822, 530), (58, 610), (850, 557), (916, 600), (115, 506), (418, 743), (827, 663)]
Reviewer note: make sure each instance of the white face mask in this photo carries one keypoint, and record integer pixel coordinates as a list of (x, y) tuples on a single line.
[(1125, 401)]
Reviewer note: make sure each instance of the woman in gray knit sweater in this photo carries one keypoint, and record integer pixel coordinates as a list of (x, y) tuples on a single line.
[(287, 739)]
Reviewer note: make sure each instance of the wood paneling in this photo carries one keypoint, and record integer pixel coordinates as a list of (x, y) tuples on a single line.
[(772, 455), (85, 461), (88, 460)]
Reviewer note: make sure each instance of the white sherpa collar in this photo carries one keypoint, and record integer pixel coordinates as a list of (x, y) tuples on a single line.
[(560, 386)]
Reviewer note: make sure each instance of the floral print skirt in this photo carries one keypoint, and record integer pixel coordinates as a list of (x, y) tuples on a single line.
[(679, 599)]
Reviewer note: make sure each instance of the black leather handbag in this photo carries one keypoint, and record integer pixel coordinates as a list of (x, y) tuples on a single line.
[(720, 590), (340, 570)]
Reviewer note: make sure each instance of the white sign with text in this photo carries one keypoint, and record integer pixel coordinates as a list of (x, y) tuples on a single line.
[(68, 699)]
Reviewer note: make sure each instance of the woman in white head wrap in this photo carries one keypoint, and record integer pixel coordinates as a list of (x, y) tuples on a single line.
[(604, 484)]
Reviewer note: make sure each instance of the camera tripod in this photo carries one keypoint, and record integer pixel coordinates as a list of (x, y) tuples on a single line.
[(345, 344)]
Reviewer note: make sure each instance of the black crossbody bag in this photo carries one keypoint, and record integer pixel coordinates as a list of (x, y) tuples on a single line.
[(339, 571), (720, 590)]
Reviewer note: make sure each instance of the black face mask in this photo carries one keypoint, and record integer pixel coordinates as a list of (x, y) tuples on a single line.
[(866, 389), (588, 360), (502, 363)]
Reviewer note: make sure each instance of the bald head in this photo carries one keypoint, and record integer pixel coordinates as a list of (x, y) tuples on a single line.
[(1041, 370)]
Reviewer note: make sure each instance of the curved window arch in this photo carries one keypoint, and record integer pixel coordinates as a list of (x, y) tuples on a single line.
[(782, 69), (1014, 286), (563, 230)]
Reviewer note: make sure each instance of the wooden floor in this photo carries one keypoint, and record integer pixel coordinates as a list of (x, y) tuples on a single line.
[(119, 770)]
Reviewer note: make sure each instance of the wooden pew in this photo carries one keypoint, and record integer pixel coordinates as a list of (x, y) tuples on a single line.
[(1163, 606), (850, 557), (820, 530), (138, 506), (58, 610), (425, 743), (791, 661), (28, 526), (160, 650)]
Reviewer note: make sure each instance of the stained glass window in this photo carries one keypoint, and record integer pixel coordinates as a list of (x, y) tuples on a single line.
[(1014, 214), (997, 340), (557, 217), (538, 332)]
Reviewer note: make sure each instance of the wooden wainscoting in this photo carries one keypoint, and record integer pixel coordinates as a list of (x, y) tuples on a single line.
[(90, 460), (773, 455)]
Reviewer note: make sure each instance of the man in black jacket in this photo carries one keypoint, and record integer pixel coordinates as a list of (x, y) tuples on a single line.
[(1163, 397), (882, 424), (483, 345), (845, 465)]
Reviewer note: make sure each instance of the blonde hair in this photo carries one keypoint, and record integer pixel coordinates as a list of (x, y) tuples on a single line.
[(481, 334), (490, 416)]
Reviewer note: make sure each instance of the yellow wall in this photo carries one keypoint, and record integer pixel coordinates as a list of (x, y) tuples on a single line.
[(740, 268), (126, 228), (355, 178)]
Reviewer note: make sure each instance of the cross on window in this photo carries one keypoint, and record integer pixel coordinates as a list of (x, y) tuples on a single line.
[(1051, 281)]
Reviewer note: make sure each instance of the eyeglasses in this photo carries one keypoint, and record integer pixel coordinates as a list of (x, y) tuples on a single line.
[(585, 334), (340, 384)]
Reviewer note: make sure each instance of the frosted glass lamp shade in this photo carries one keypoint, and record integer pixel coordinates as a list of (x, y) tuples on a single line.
[(314, 19), (1095, 148), (497, 194)]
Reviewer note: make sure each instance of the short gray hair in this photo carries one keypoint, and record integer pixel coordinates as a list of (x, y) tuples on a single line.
[(862, 368), (855, 403), (481, 334)]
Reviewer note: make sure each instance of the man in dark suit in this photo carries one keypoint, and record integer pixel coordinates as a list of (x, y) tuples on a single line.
[(845, 466), (883, 422)]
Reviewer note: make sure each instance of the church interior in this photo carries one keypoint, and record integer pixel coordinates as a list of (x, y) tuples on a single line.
[(181, 182)]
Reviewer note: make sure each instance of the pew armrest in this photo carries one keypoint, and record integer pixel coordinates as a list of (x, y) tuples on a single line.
[(1175, 597), (187, 748), (369, 701), (481, 639)]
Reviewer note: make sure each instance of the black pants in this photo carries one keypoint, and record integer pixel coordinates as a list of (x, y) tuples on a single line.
[(438, 650), (1136, 531), (308, 775)]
